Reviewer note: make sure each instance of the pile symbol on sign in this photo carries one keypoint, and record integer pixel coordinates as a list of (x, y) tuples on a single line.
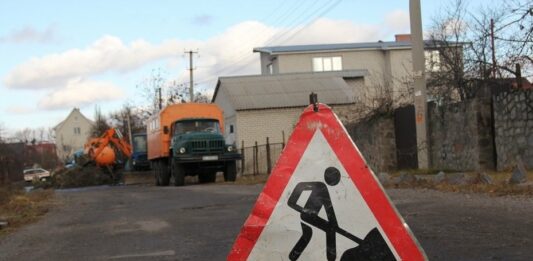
[(322, 202)]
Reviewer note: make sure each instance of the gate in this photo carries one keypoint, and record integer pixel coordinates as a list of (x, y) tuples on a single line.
[(405, 131)]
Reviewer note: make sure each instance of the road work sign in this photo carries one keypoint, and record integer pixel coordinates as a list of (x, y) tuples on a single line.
[(322, 202)]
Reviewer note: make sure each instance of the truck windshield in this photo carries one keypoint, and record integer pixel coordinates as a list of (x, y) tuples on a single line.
[(139, 143), (182, 127)]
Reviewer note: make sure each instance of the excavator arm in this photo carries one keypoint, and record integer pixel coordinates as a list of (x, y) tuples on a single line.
[(111, 136)]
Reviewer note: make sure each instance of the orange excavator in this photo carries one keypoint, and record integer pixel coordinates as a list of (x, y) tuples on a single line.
[(105, 152)]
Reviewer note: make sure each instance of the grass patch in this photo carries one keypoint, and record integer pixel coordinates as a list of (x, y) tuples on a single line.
[(499, 186), (19, 208)]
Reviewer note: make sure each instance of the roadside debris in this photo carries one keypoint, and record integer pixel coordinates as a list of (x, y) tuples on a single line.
[(3, 224), (440, 177), (384, 178), (89, 175), (519, 173), (483, 178)]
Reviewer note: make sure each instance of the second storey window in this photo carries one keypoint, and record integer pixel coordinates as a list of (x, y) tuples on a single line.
[(432, 58), (77, 130), (325, 64)]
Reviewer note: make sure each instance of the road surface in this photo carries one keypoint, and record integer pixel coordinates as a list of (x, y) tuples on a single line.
[(200, 222)]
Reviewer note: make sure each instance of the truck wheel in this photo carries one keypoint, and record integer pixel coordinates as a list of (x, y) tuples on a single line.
[(230, 174), (207, 177), (178, 173), (164, 173)]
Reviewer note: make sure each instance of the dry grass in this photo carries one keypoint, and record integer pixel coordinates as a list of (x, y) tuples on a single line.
[(19, 208), (499, 187)]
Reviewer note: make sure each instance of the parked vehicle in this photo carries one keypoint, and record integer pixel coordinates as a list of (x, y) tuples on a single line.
[(39, 173), (139, 157), (187, 139)]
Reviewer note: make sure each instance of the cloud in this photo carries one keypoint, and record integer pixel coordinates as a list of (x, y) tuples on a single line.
[(202, 20), (225, 54), (80, 93), (20, 110), (29, 34), (397, 22), (108, 53)]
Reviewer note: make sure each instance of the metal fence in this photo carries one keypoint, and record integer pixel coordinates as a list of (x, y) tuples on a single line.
[(259, 159)]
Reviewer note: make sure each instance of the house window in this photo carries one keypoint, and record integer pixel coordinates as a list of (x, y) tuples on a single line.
[(325, 64), (231, 128), (432, 58), (77, 130), (270, 68)]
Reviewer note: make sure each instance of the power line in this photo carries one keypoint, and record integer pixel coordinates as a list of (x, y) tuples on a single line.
[(322, 10)]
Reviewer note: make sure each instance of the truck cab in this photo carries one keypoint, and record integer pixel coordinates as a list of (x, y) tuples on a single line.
[(186, 139), (198, 148)]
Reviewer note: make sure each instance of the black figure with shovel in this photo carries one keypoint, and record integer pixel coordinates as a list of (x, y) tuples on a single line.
[(373, 247)]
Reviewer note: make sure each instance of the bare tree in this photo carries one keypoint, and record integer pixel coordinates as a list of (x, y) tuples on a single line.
[(2, 132), (100, 123), (25, 135), (161, 91), (137, 119), (466, 56)]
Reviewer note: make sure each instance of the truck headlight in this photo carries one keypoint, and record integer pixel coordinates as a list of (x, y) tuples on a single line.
[(182, 150), (230, 148)]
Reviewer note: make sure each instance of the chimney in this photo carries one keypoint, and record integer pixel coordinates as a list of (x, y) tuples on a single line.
[(403, 37)]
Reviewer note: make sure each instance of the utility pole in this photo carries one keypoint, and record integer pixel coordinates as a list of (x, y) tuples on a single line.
[(493, 48), (128, 119), (191, 68), (159, 100), (417, 52)]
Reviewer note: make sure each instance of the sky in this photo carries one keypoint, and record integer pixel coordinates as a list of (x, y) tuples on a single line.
[(57, 55)]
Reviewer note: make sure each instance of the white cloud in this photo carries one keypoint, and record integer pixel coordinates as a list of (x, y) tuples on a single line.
[(29, 34), (229, 53), (397, 22), (80, 93), (20, 110), (108, 53)]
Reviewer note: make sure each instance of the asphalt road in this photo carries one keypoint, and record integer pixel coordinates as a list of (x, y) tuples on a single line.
[(200, 222)]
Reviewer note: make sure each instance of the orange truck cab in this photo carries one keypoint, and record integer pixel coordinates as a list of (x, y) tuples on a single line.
[(187, 139)]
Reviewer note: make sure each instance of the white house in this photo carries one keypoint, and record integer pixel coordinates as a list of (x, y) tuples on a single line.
[(72, 133)]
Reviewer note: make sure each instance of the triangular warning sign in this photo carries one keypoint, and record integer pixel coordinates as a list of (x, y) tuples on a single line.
[(322, 202)]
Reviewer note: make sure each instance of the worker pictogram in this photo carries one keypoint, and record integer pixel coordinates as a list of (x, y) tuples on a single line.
[(322, 202), (319, 198)]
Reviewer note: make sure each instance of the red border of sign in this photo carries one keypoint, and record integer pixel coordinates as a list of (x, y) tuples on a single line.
[(349, 156)]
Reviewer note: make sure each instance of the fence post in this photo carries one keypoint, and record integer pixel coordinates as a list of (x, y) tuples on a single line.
[(243, 160), (269, 162), (256, 160), (283, 137)]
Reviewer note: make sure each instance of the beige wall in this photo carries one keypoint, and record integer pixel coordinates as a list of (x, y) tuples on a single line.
[(388, 71), (230, 118), (371, 60), (67, 141), (256, 125)]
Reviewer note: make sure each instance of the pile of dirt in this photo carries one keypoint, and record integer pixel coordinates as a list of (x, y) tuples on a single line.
[(76, 177)]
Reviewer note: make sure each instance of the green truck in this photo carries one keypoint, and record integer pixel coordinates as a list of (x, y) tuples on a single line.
[(187, 140)]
